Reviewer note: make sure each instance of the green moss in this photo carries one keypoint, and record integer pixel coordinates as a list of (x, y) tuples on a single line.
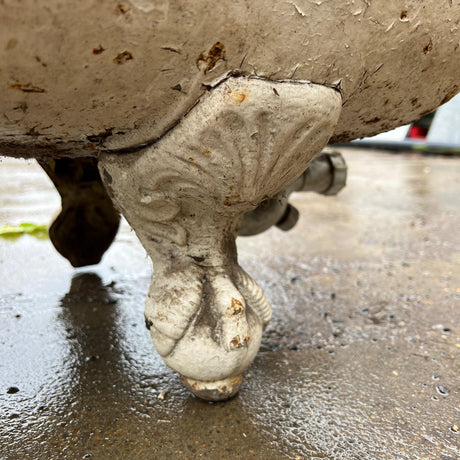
[(14, 231)]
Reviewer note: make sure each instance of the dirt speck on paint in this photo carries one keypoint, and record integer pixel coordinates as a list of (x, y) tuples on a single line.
[(98, 50), (27, 87), (123, 9), (428, 47), (39, 60)]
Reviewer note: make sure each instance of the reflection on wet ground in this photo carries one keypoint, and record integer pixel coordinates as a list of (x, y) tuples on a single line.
[(361, 359)]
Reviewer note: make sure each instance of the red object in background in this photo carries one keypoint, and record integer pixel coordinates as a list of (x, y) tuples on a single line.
[(417, 132)]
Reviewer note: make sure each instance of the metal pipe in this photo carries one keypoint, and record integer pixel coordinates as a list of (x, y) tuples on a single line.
[(326, 175)]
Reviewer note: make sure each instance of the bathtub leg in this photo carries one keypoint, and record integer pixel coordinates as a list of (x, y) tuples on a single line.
[(88, 222), (185, 197)]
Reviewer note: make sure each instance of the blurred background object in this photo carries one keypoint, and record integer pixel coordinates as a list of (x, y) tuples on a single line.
[(436, 132)]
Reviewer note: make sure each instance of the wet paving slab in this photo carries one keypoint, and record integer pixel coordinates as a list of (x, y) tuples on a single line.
[(361, 359)]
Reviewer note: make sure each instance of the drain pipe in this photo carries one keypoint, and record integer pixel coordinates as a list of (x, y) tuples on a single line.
[(326, 175)]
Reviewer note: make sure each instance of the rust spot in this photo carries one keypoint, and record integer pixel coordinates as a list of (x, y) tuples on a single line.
[(123, 9), (428, 47), (191, 159), (26, 87), (232, 199), (403, 15), (238, 97), (123, 57), (206, 152), (207, 62), (456, 47), (98, 50), (235, 308), (228, 201), (236, 342)]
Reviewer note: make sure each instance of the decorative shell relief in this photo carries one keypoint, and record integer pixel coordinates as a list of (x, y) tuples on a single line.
[(242, 143)]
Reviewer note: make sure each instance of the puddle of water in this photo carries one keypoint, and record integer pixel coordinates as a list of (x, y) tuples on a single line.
[(346, 368)]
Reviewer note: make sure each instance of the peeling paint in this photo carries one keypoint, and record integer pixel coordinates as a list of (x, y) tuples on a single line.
[(123, 57), (207, 61)]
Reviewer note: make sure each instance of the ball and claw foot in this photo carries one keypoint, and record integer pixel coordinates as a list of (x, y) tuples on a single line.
[(88, 221), (185, 196)]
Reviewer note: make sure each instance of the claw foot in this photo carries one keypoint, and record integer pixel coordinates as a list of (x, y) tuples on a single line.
[(186, 195), (202, 325), (88, 222)]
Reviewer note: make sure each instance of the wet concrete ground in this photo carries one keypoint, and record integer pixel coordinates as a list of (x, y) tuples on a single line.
[(360, 361)]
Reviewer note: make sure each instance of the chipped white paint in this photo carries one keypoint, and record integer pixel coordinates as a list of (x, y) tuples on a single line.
[(243, 142)]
